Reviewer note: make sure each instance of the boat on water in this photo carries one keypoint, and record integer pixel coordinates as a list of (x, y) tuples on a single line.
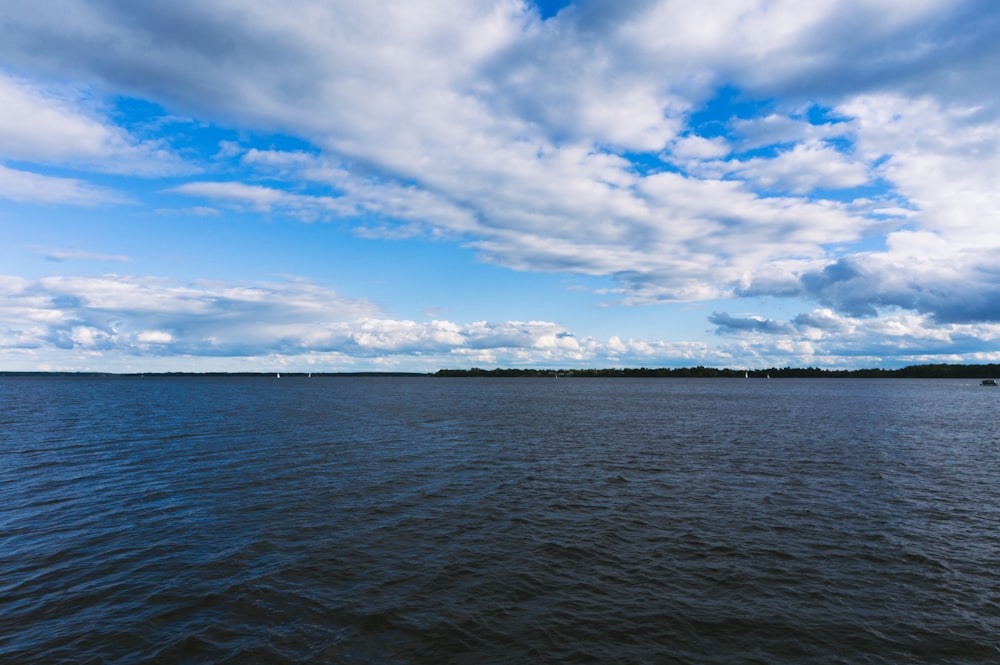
[(988, 382)]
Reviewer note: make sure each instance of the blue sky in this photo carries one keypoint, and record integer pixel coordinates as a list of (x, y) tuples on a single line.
[(348, 186)]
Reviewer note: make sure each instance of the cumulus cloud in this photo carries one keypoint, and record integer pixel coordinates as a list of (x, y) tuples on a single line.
[(804, 168), (127, 321), (126, 316), (563, 145), (129, 313), (862, 285), (941, 260), (825, 337), (783, 130), (515, 138), (727, 322), (43, 126), (351, 196), (132, 314)]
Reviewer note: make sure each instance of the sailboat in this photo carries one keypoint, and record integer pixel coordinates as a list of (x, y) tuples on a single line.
[(277, 375)]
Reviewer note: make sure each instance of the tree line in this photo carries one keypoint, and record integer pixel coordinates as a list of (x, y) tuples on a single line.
[(936, 371)]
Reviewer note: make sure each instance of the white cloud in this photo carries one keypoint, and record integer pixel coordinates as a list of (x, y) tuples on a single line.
[(494, 160), (823, 336), (943, 157), (519, 137), (698, 148), (129, 322), (945, 160), (353, 196), (774, 129), (122, 317), (154, 337), (41, 127), (264, 199), (27, 187), (804, 168)]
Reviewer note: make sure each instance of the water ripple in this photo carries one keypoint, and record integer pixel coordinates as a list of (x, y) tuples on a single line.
[(424, 520)]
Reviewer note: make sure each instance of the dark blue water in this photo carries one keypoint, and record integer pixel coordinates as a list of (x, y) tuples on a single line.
[(433, 520)]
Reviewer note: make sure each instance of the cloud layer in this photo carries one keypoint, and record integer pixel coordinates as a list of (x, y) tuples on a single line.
[(844, 154), (129, 323), (292, 323)]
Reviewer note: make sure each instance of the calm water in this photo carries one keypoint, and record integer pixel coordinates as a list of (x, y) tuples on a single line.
[(432, 520)]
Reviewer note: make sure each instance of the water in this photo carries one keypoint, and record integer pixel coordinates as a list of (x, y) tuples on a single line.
[(432, 520)]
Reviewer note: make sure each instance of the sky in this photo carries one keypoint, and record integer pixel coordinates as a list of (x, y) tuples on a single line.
[(363, 185)]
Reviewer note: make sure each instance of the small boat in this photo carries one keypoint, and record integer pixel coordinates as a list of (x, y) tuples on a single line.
[(988, 382)]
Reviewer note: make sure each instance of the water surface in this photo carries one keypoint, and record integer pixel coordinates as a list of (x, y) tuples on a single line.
[(470, 520)]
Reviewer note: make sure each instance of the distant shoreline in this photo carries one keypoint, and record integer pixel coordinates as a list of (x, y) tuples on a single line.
[(931, 371)]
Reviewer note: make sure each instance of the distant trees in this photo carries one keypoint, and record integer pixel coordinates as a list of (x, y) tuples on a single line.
[(938, 371)]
